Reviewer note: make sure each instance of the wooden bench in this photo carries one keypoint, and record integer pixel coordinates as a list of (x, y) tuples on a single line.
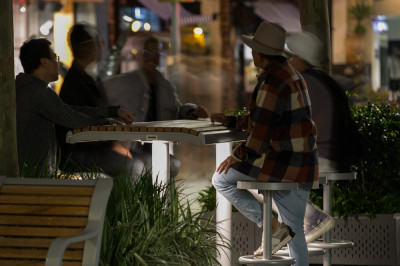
[(52, 221)]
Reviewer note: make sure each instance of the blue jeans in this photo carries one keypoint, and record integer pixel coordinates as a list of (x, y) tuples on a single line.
[(291, 206)]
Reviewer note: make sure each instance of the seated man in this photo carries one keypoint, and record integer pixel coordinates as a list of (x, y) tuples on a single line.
[(338, 140), (151, 97), (39, 108), (280, 147), (81, 89)]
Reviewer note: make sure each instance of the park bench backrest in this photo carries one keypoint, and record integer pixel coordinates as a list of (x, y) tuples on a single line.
[(52, 221)]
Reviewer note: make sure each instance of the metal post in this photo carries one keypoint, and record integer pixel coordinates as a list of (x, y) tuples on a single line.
[(327, 206), (175, 32), (224, 210), (267, 224), (160, 161)]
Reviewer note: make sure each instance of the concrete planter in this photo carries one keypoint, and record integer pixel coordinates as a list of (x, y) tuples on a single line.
[(377, 242)]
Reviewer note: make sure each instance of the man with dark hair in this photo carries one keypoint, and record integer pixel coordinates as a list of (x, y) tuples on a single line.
[(39, 108), (151, 97), (81, 88)]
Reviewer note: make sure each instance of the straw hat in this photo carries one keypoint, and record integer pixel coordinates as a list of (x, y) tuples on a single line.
[(306, 46), (269, 39)]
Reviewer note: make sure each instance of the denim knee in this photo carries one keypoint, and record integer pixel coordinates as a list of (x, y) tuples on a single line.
[(217, 180)]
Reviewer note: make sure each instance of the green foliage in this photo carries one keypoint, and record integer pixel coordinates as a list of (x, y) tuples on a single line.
[(360, 11), (377, 187), (237, 111), (208, 198), (146, 225)]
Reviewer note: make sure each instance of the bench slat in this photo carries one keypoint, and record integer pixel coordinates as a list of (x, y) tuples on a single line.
[(9, 253), (45, 200), (33, 242), (43, 220), (37, 231), (44, 210), (46, 190)]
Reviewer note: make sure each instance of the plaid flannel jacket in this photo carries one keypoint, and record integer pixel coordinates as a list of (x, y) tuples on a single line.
[(281, 145)]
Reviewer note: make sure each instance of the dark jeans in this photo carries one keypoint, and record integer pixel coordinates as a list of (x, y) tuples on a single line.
[(108, 161)]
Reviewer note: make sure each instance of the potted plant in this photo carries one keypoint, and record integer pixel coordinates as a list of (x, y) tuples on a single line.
[(355, 43), (360, 11)]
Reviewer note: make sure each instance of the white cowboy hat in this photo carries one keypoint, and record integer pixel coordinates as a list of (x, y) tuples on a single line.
[(269, 39), (306, 46)]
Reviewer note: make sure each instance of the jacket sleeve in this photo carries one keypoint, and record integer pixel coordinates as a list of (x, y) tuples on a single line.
[(263, 119), (62, 114), (173, 100)]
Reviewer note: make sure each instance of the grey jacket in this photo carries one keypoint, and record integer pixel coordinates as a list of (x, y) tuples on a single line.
[(131, 91), (38, 109)]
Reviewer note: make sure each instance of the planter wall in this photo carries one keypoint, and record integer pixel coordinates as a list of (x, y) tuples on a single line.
[(376, 242)]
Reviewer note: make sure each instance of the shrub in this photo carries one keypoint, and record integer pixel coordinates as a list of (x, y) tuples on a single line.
[(146, 225), (377, 187)]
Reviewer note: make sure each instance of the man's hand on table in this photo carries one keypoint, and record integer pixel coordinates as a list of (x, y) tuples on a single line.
[(199, 112), (125, 115), (225, 165), (219, 117)]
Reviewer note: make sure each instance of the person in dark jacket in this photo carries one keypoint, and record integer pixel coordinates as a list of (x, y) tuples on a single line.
[(80, 88), (338, 141), (39, 108), (151, 97)]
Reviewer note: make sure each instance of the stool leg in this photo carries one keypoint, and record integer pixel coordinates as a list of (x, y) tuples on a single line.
[(327, 206), (267, 224)]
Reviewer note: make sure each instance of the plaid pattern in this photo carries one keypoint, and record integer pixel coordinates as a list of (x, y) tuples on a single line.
[(281, 146)]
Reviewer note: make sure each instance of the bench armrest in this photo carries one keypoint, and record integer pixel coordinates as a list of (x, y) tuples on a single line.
[(55, 254)]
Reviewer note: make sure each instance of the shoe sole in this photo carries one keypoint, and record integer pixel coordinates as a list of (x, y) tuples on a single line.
[(315, 234)]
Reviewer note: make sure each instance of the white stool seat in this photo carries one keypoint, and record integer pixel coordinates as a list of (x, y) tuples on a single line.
[(331, 245), (336, 176), (312, 251), (266, 188), (266, 185)]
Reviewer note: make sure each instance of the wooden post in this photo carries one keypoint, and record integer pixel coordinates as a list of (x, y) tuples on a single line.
[(8, 129)]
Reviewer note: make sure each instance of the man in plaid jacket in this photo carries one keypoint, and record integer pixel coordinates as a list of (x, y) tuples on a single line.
[(281, 145)]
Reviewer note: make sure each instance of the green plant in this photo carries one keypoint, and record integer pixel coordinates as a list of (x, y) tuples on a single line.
[(377, 187), (146, 225), (360, 11), (208, 198), (237, 111)]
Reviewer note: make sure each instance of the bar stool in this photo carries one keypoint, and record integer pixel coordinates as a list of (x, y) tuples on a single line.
[(327, 179), (266, 189)]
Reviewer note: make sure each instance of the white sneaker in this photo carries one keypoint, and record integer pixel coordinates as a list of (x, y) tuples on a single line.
[(316, 223), (280, 237)]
